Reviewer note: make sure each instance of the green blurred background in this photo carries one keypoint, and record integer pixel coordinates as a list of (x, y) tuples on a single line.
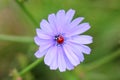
[(20, 19)]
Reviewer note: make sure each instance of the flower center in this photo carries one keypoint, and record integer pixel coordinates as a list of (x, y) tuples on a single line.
[(59, 39)]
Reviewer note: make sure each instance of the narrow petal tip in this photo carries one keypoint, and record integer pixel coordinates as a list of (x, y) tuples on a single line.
[(37, 54)]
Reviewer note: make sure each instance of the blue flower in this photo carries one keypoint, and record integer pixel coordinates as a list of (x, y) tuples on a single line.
[(61, 42)]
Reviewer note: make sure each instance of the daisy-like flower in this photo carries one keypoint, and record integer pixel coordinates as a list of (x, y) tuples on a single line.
[(61, 42)]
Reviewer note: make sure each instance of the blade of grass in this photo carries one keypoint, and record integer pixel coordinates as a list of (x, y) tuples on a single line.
[(16, 38), (31, 66), (27, 13), (102, 61)]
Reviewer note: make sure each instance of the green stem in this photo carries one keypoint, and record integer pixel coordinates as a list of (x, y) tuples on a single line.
[(31, 66), (27, 13), (16, 38), (102, 61), (36, 24)]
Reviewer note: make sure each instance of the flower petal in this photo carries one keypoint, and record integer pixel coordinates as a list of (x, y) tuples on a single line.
[(54, 64), (60, 20), (49, 57), (76, 49), (85, 49), (42, 35), (81, 56), (52, 21), (84, 27), (82, 39), (38, 54), (70, 55), (61, 60), (45, 26), (81, 48), (69, 15), (79, 29), (76, 22), (69, 66), (37, 41), (45, 46)]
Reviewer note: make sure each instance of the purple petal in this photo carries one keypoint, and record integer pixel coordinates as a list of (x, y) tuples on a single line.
[(79, 29), (60, 20), (38, 54), (37, 41), (84, 27), (69, 15), (45, 26), (42, 35), (61, 60), (70, 55), (54, 64), (85, 49), (82, 39), (76, 22), (76, 49), (52, 21), (43, 42), (81, 56), (69, 66), (51, 54), (81, 48), (45, 46)]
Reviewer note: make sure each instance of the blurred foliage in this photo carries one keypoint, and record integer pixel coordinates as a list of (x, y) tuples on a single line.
[(103, 16)]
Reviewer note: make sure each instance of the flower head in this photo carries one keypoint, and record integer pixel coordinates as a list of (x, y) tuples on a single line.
[(61, 42)]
